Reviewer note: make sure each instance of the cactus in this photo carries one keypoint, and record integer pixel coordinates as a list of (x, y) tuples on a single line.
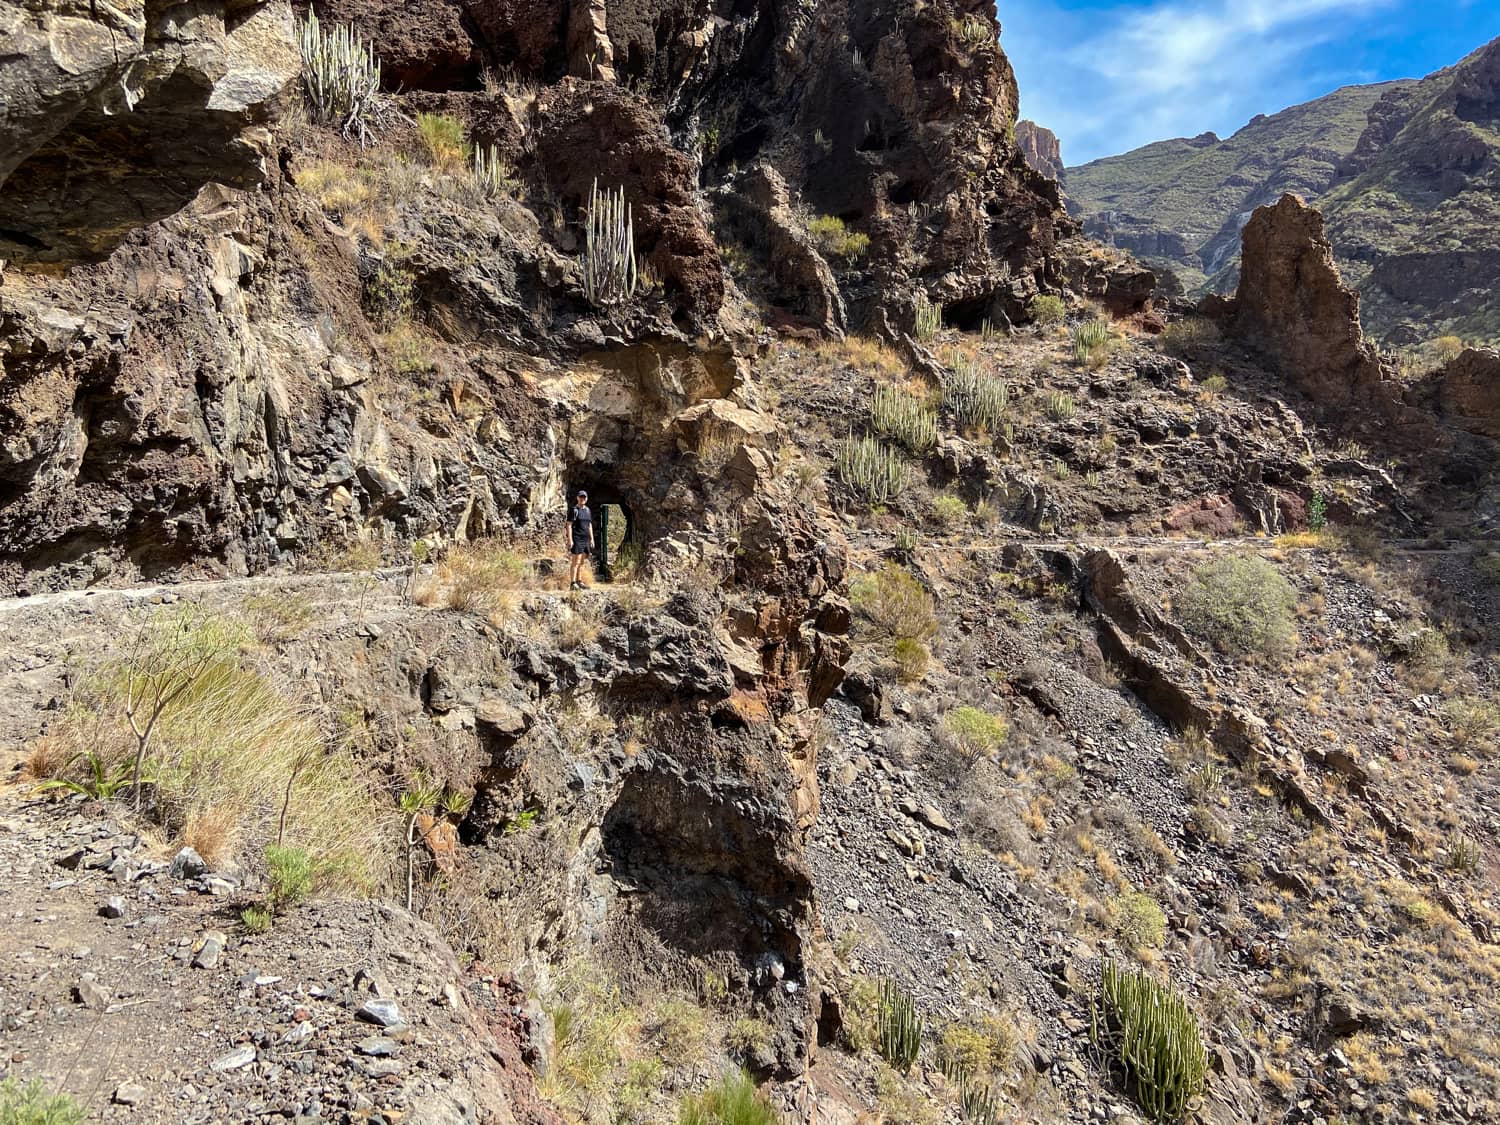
[(1060, 406), (904, 417), (1088, 338), (929, 318), (977, 1099), (1148, 1030), (871, 468), (492, 173), (609, 269), (900, 1027), (978, 401), (341, 76)]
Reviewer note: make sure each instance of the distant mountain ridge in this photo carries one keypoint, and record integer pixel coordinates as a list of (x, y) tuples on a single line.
[(1407, 174)]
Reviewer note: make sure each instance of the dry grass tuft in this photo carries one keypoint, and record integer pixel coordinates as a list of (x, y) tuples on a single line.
[(478, 577)]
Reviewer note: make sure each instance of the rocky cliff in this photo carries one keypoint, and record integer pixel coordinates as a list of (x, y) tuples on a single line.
[(1041, 148)]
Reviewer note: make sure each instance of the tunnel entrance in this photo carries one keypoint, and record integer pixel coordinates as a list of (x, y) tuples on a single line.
[(617, 536)]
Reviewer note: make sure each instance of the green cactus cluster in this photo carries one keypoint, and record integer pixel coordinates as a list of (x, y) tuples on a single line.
[(492, 173), (610, 276), (900, 1027), (1149, 1031), (872, 468), (341, 76), (929, 318), (905, 418), (978, 401), (978, 1100), (1060, 406), (1089, 337)]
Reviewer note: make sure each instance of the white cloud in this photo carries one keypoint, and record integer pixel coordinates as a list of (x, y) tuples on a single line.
[(1137, 73)]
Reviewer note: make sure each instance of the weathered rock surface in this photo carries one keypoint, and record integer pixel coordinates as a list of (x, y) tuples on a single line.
[(1468, 391), (1042, 149), (117, 115)]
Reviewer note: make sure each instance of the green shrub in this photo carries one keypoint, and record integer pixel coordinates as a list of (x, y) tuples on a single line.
[(443, 140), (1242, 605), (899, 1027), (949, 510), (976, 733), (31, 1104), (1047, 309), (257, 919), (904, 417), (837, 240), (1215, 385), (978, 401), (1139, 920), (929, 318), (911, 659), (873, 469), (894, 604), (1152, 1036), (341, 77), (289, 873), (1184, 337), (733, 1101), (387, 293)]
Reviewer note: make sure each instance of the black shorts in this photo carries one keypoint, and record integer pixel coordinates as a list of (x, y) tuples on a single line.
[(581, 547)]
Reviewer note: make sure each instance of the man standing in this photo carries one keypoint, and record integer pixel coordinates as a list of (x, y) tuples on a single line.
[(580, 539)]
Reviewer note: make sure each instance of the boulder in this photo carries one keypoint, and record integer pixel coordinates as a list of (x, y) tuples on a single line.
[(116, 115), (1468, 391)]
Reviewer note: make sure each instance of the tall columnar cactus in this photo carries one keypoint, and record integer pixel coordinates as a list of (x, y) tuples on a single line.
[(341, 76), (978, 401), (929, 318), (903, 416), (492, 173), (872, 468), (1149, 1031), (609, 268), (900, 1027)]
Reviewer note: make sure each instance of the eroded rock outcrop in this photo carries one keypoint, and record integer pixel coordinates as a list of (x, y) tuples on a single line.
[(1293, 306), (1468, 391), (115, 116), (1041, 148)]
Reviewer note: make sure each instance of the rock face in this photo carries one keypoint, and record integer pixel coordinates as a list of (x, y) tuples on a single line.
[(117, 115), (1468, 391), (1293, 306), (1042, 150)]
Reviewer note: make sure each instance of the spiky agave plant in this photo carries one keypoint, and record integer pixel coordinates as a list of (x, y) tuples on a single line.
[(1152, 1035), (341, 76), (610, 276)]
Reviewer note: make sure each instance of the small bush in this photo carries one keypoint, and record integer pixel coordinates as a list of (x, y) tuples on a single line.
[(1060, 406), (1047, 309), (479, 577), (1091, 342), (894, 604), (871, 468), (734, 1101), (1149, 1032), (31, 1104), (1187, 336), (1215, 384), (976, 733), (835, 239), (387, 293), (1242, 605), (911, 659), (1140, 921), (904, 417), (257, 919), (443, 141), (949, 510), (289, 877)]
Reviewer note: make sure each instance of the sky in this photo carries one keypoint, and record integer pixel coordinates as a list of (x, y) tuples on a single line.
[(1110, 75)]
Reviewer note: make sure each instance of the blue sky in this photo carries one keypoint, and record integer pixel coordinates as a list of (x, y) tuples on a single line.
[(1110, 75)]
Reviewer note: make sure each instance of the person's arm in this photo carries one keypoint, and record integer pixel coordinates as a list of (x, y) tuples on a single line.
[(591, 530)]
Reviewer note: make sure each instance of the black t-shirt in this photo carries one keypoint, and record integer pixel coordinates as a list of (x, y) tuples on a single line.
[(582, 520)]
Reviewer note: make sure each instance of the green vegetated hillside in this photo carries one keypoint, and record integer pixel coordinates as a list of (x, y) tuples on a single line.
[(1182, 202), (1406, 173)]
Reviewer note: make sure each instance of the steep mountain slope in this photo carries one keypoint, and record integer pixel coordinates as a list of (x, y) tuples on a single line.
[(1181, 202)]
